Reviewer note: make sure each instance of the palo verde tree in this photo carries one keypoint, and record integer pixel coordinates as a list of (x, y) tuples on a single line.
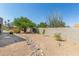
[(23, 23), (56, 21), (42, 25)]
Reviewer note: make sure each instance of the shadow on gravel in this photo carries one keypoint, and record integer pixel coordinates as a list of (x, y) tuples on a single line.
[(7, 39)]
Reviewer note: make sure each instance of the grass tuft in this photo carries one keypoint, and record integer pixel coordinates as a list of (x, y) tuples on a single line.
[(58, 37)]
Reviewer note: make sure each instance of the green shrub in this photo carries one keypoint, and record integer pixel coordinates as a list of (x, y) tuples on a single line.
[(58, 37)]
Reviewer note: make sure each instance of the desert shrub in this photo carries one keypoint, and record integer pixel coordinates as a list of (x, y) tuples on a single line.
[(16, 31), (55, 21), (42, 25), (35, 30), (58, 37)]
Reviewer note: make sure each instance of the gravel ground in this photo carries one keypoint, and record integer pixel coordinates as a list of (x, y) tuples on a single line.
[(36, 45), (16, 46), (51, 47), (11, 45)]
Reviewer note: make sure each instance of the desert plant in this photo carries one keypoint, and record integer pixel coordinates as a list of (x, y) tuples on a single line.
[(42, 25), (55, 21), (23, 23), (35, 30), (58, 37), (16, 31)]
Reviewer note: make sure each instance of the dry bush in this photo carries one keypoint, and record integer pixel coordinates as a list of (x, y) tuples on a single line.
[(16, 31), (58, 37)]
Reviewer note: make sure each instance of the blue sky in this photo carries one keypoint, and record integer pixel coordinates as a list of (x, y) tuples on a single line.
[(39, 12)]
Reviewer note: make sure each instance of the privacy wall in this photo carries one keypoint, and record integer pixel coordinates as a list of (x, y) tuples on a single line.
[(66, 33)]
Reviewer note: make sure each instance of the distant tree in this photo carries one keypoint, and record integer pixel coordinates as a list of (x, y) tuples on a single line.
[(23, 23), (42, 25), (55, 21)]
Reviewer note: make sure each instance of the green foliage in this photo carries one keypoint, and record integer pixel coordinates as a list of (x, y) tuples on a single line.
[(57, 37), (42, 25), (55, 21), (35, 30), (23, 23)]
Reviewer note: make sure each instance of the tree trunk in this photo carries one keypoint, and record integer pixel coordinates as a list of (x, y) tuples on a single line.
[(25, 30)]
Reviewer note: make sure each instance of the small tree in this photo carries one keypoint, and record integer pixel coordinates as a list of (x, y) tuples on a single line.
[(42, 25), (23, 23), (56, 21)]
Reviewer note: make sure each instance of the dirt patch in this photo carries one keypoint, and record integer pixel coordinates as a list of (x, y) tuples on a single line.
[(51, 47)]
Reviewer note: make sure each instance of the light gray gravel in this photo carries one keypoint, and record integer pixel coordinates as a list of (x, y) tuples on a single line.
[(36, 50), (7, 39)]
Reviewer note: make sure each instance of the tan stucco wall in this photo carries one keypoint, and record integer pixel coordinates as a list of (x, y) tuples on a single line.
[(66, 33)]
